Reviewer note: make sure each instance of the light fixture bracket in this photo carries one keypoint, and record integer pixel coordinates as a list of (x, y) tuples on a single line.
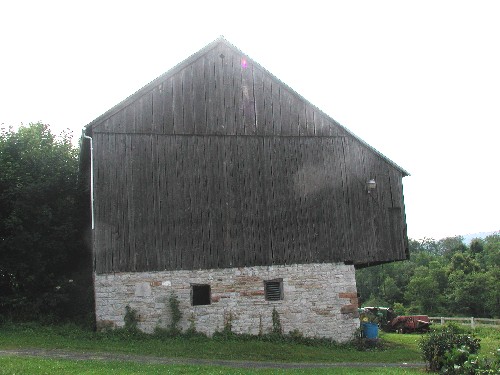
[(371, 185)]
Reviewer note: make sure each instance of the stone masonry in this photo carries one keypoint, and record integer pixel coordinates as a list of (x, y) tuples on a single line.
[(319, 300)]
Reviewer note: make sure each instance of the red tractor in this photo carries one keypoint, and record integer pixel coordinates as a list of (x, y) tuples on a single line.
[(389, 322), (410, 323)]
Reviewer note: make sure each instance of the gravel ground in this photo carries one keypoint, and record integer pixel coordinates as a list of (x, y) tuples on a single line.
[(83, 356)]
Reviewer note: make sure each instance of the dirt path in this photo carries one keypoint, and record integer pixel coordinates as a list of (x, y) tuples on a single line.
[(95, 356)]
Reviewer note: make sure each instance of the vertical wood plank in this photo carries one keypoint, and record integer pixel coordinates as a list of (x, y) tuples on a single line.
[(152, 231), (188, 100), (111, 204), (233, 209), (158, 108), (196, 201), (240, 246), (186, 175), (200, 110), (339, 215), (205, 198), (267, 94), (327, 227), (219, 201), (229, 92), (121, 194), (219, 91), (300, 108), (247, 210), (169, 211), (168, 106), (310, 120), (267, 191), (178, 102), (97, 249), (146, 108), (162, 244), (288, 123), (275, 107), (211, 92), (130, 201), (128, 119), (248, 97), (211, 203), (260, 113), (239, 92), (180, 203)]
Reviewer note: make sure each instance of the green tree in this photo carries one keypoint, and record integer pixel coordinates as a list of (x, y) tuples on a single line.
[(390, 291), (41, 212), (493, 303), (451, 245), (441, 278), (463, 261), (476, 246), (470, 293), (422, 294), (491, 252)]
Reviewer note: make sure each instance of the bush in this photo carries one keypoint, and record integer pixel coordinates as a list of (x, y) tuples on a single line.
[(130, 319), (277, 328), (480, 366), (175, 314), (399, 309), (447, 347), (473, 365)]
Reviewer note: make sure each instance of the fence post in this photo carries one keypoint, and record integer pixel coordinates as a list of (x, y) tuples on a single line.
[(472, 322), (442, 321)]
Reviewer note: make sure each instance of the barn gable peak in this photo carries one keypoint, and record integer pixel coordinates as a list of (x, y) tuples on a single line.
[(220, 90)]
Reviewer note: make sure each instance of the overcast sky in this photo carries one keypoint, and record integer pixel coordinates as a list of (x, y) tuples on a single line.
[(417, 80)]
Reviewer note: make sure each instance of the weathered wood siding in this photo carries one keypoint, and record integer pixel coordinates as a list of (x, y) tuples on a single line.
[(221, 165)]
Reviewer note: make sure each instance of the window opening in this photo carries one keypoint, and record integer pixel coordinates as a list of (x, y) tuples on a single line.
[(273, 289), (200, 294)]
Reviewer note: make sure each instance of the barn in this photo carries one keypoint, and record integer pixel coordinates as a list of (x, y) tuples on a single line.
[(219, 184)]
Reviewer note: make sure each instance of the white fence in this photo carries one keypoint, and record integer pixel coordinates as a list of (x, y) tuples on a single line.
[(473, 322)]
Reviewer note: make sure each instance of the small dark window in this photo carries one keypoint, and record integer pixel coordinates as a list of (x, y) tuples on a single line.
[(200, 294), (273, 289)]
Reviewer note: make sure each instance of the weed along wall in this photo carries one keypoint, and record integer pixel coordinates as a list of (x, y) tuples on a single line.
[(319, 300)]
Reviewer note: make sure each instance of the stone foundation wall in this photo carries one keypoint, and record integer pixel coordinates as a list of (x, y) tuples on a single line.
[(319, 300)]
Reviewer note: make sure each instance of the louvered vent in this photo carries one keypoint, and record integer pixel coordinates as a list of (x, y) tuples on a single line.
[(273, 290)]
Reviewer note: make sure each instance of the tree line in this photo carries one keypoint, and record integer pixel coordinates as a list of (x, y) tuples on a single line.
[(45, 257), (441, 278), (45, 264)]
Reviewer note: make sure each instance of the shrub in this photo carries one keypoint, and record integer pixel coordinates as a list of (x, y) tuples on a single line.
[(277, 328), (228, 323), (175, 314), (130, 319), (473, 365), (399, 309), (447, 347)]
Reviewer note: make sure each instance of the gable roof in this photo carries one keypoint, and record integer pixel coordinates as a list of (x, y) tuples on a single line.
[(221, 40)]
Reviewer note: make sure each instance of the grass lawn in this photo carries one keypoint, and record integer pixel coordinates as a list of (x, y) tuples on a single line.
[(490, 339), (399, 348)]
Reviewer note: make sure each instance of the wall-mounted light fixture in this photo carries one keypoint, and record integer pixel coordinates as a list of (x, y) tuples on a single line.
[(371, 185)]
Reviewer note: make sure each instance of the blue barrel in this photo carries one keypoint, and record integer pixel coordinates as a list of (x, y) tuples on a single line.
[(370, 330)]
